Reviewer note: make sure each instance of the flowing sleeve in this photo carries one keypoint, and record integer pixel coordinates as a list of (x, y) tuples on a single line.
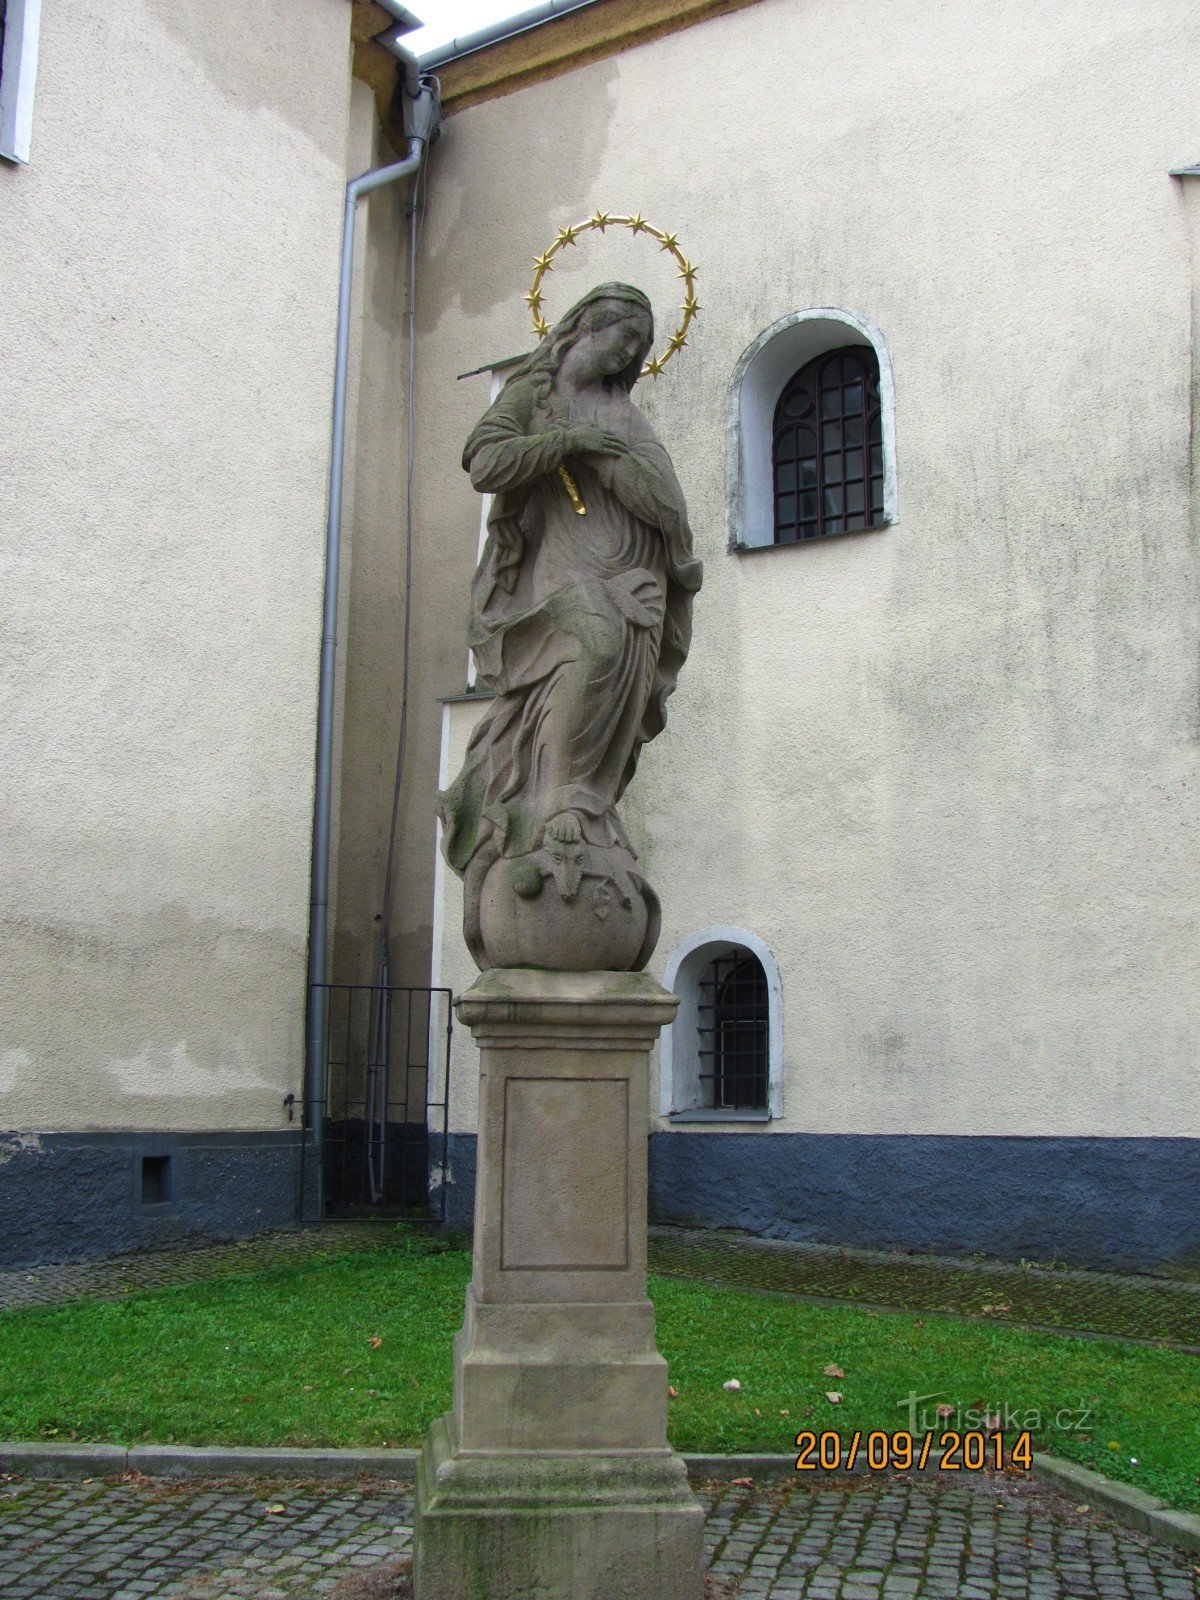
[(501, 454)]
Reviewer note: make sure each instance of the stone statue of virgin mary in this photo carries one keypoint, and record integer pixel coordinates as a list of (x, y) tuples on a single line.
[(580, 621)]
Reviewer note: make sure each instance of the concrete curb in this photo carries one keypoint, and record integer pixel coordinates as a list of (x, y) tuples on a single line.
[(1131, 1506), (201, 1461)]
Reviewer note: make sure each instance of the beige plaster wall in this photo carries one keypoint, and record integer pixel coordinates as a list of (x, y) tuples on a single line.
[(168, 271), (947, 771)]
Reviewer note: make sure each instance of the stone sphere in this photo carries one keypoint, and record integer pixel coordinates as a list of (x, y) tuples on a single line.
[(595, 920)]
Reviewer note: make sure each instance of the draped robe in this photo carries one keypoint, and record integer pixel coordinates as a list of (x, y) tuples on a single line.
[(579, 624)]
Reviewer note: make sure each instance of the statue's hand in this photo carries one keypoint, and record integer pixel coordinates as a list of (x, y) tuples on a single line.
[(585, 439)]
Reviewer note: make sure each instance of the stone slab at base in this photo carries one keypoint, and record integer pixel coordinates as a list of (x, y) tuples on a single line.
[(570, 1525)]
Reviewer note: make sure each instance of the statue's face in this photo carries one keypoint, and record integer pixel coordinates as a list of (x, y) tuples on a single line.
[(614, 346)]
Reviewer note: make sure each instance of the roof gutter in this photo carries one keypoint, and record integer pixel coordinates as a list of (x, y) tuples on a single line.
[(403, 22), (468, 43)]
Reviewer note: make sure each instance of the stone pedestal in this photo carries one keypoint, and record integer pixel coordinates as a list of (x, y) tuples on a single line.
[(552, 1479)]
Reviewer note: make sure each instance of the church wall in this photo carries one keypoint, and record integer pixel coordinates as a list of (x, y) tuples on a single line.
[(945, 770), (169, 262)]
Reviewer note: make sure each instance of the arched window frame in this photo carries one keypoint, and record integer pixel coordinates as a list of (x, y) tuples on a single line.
[(680, 1094), (763, 371)]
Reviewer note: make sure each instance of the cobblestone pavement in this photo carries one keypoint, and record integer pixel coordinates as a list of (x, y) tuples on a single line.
[(1128, 1307), (113, 1277), (892, 1538)]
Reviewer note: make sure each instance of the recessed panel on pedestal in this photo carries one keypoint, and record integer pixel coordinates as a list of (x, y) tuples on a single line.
[(565, 1204)]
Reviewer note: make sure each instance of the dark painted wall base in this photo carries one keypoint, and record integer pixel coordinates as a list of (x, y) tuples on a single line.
[(1114, 1204), (458, 1182), (74, 1196)]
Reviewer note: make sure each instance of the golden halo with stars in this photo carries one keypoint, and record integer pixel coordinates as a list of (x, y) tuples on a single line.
[(598, 222)]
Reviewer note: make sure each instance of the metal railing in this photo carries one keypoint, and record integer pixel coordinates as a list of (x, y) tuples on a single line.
[(375, 1136)]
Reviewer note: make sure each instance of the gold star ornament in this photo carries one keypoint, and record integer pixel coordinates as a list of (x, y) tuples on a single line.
[(598, 222)]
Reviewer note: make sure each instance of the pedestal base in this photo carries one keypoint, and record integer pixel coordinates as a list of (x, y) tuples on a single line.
[(566, 1525), (552, 1479)]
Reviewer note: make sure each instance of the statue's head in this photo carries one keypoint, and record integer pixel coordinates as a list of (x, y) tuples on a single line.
[(617, 322)]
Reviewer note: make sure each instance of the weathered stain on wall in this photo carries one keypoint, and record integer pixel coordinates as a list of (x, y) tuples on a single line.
[(169, 266)]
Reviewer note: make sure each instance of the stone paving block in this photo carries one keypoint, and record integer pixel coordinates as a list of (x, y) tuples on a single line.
[(882, 1539)]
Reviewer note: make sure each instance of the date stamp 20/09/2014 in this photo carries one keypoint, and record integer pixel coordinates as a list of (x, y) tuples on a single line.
[(900, 1452)]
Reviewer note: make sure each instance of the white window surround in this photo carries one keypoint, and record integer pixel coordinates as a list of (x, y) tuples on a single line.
[(18, 69), (679, 1090), (758, 380)]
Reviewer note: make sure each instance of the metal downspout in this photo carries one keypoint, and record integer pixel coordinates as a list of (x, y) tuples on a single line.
[(422, 112)]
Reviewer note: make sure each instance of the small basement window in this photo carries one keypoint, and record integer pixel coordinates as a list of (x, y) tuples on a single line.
[(733, 1033), (156, 1180), (721, 1060)]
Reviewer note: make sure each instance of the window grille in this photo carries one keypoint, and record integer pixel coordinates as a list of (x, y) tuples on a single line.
[(828, 448), (733, 1011)]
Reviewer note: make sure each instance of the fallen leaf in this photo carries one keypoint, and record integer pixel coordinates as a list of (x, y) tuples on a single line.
[(308, 1388), (731, 1383), (833, 1370), (758, 1413), (1005, 1307), (945, 1411), (743, 1483), (785, 1413), (375, 1341), (672, 1391), (273, 1511), (833, 1397)]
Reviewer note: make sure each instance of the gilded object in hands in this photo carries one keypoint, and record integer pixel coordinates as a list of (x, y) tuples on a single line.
[(580, 624)]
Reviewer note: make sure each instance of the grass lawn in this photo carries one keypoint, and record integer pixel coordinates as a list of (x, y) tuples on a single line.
[(355, 1350)]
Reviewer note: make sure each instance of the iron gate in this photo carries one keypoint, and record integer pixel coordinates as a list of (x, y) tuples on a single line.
[(375, 1139)]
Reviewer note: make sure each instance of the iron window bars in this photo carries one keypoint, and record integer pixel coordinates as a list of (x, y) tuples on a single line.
[(733, 1008), (827, 448)]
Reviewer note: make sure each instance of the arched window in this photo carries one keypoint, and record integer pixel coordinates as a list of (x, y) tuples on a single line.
[(769, 505), (733, 1032), (721, 1060), (827, 448)]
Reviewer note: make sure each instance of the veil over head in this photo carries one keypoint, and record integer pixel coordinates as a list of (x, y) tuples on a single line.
[(548, 356)]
